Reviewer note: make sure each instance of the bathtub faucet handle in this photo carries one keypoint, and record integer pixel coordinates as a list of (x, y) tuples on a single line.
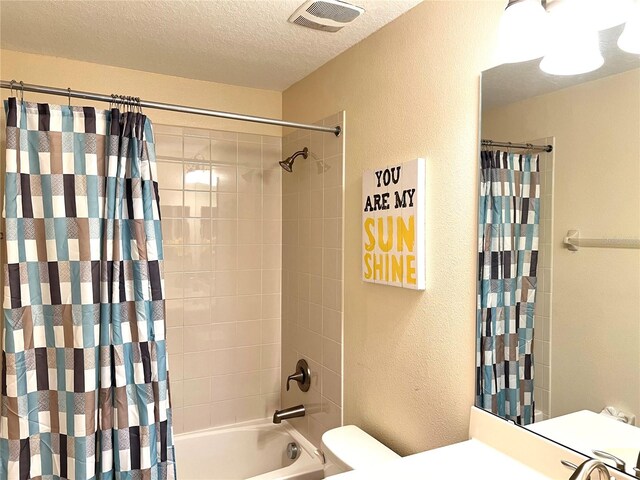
[(298, 377), (302, 376)]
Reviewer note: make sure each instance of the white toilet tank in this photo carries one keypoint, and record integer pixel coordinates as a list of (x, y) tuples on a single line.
[(348, 448)]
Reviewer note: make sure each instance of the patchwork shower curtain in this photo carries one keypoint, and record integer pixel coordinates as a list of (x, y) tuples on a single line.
[(85, 385), (509, 212)]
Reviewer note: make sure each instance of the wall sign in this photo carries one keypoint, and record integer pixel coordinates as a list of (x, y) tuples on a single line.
[(393, 225)]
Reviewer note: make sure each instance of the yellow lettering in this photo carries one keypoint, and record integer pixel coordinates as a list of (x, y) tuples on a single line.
[(377, 267), (386, 267), (406, 234), (396, 268), (367, 264), (368, 225), (385, 246), (411, 269)]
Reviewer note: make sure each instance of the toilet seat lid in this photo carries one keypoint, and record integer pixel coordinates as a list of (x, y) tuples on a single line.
[(355, 448)]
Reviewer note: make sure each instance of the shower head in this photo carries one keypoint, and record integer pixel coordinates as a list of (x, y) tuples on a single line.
[(288, 163)]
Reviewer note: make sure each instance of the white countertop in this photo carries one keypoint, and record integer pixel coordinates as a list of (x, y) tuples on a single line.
[(586, 431), (470, 459)]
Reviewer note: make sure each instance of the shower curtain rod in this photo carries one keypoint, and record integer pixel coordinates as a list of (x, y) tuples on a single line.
[(67, 92), (524, 146)]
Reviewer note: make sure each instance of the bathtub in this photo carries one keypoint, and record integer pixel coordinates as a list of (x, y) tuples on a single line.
[(254, 450)]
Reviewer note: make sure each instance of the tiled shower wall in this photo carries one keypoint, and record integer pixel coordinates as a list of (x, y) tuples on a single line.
[(542, 332), (220, 195), (312, 276)]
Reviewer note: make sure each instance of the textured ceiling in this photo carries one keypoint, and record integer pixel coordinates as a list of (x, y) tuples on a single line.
[(239, 42), (513, 82)]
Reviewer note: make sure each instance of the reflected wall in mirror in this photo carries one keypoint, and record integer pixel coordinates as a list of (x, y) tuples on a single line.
[(586, 326)]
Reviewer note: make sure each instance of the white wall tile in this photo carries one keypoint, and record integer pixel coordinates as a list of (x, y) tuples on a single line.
[(224, 178), (197, 176), (221, 203), (174, 340), (270, 331), (226, 258), (224, 309), (249, 282), (249, 257), (176, 367), (226, 387), (224, 152), (170, 175), (196, 231), (224, 231), (197, 338), (172, 233), (197, 148), (250, 206), (249, 307), (248, 333), (196, 417), (197, 365), (198, 312), (271, 306), (197, 284), (197, 204), (223, 413), (177, 393), (271, 281), (270, 356), (224, 205), (312, 209), (249, 180), (169, 146), (174, 313), (197, 391), (249, 408), (171, 203), (332, 386)]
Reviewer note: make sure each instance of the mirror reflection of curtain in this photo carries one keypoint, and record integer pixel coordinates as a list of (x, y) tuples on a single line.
[(509, 210), (85, 385)]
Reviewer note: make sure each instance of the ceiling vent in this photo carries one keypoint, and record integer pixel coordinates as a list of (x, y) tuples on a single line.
[(325, 15)]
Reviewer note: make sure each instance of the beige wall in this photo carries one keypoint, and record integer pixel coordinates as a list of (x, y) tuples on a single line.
[(92, 77), (595, 335), (411, 90), (222, 252)]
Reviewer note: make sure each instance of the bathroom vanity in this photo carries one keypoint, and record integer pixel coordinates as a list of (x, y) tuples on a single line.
[(496, 450)]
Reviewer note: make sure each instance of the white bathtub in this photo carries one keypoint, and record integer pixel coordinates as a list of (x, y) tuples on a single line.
[(253, 450)]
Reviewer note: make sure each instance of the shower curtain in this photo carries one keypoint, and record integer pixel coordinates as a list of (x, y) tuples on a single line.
[(507, 263), (85, 385)]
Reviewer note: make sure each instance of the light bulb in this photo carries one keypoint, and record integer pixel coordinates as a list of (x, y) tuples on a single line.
[(629, 40), (575, 45), (522, 32)]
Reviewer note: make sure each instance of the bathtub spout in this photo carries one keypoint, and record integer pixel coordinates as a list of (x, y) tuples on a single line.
[(291, 412)]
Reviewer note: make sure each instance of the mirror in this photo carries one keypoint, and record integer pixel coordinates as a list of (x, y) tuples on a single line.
[(586, 332)]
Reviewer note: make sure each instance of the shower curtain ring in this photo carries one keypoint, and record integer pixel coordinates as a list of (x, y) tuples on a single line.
[(11, 83), (21, 91), (69, 95)]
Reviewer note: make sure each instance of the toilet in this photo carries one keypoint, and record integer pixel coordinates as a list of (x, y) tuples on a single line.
[(348, 448)]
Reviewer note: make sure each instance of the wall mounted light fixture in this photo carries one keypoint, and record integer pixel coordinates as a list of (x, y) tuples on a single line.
[(574, 46), (565, 32), (522, 31)]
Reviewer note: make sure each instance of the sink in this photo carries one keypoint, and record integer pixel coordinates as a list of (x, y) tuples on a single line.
[(586, 431)]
